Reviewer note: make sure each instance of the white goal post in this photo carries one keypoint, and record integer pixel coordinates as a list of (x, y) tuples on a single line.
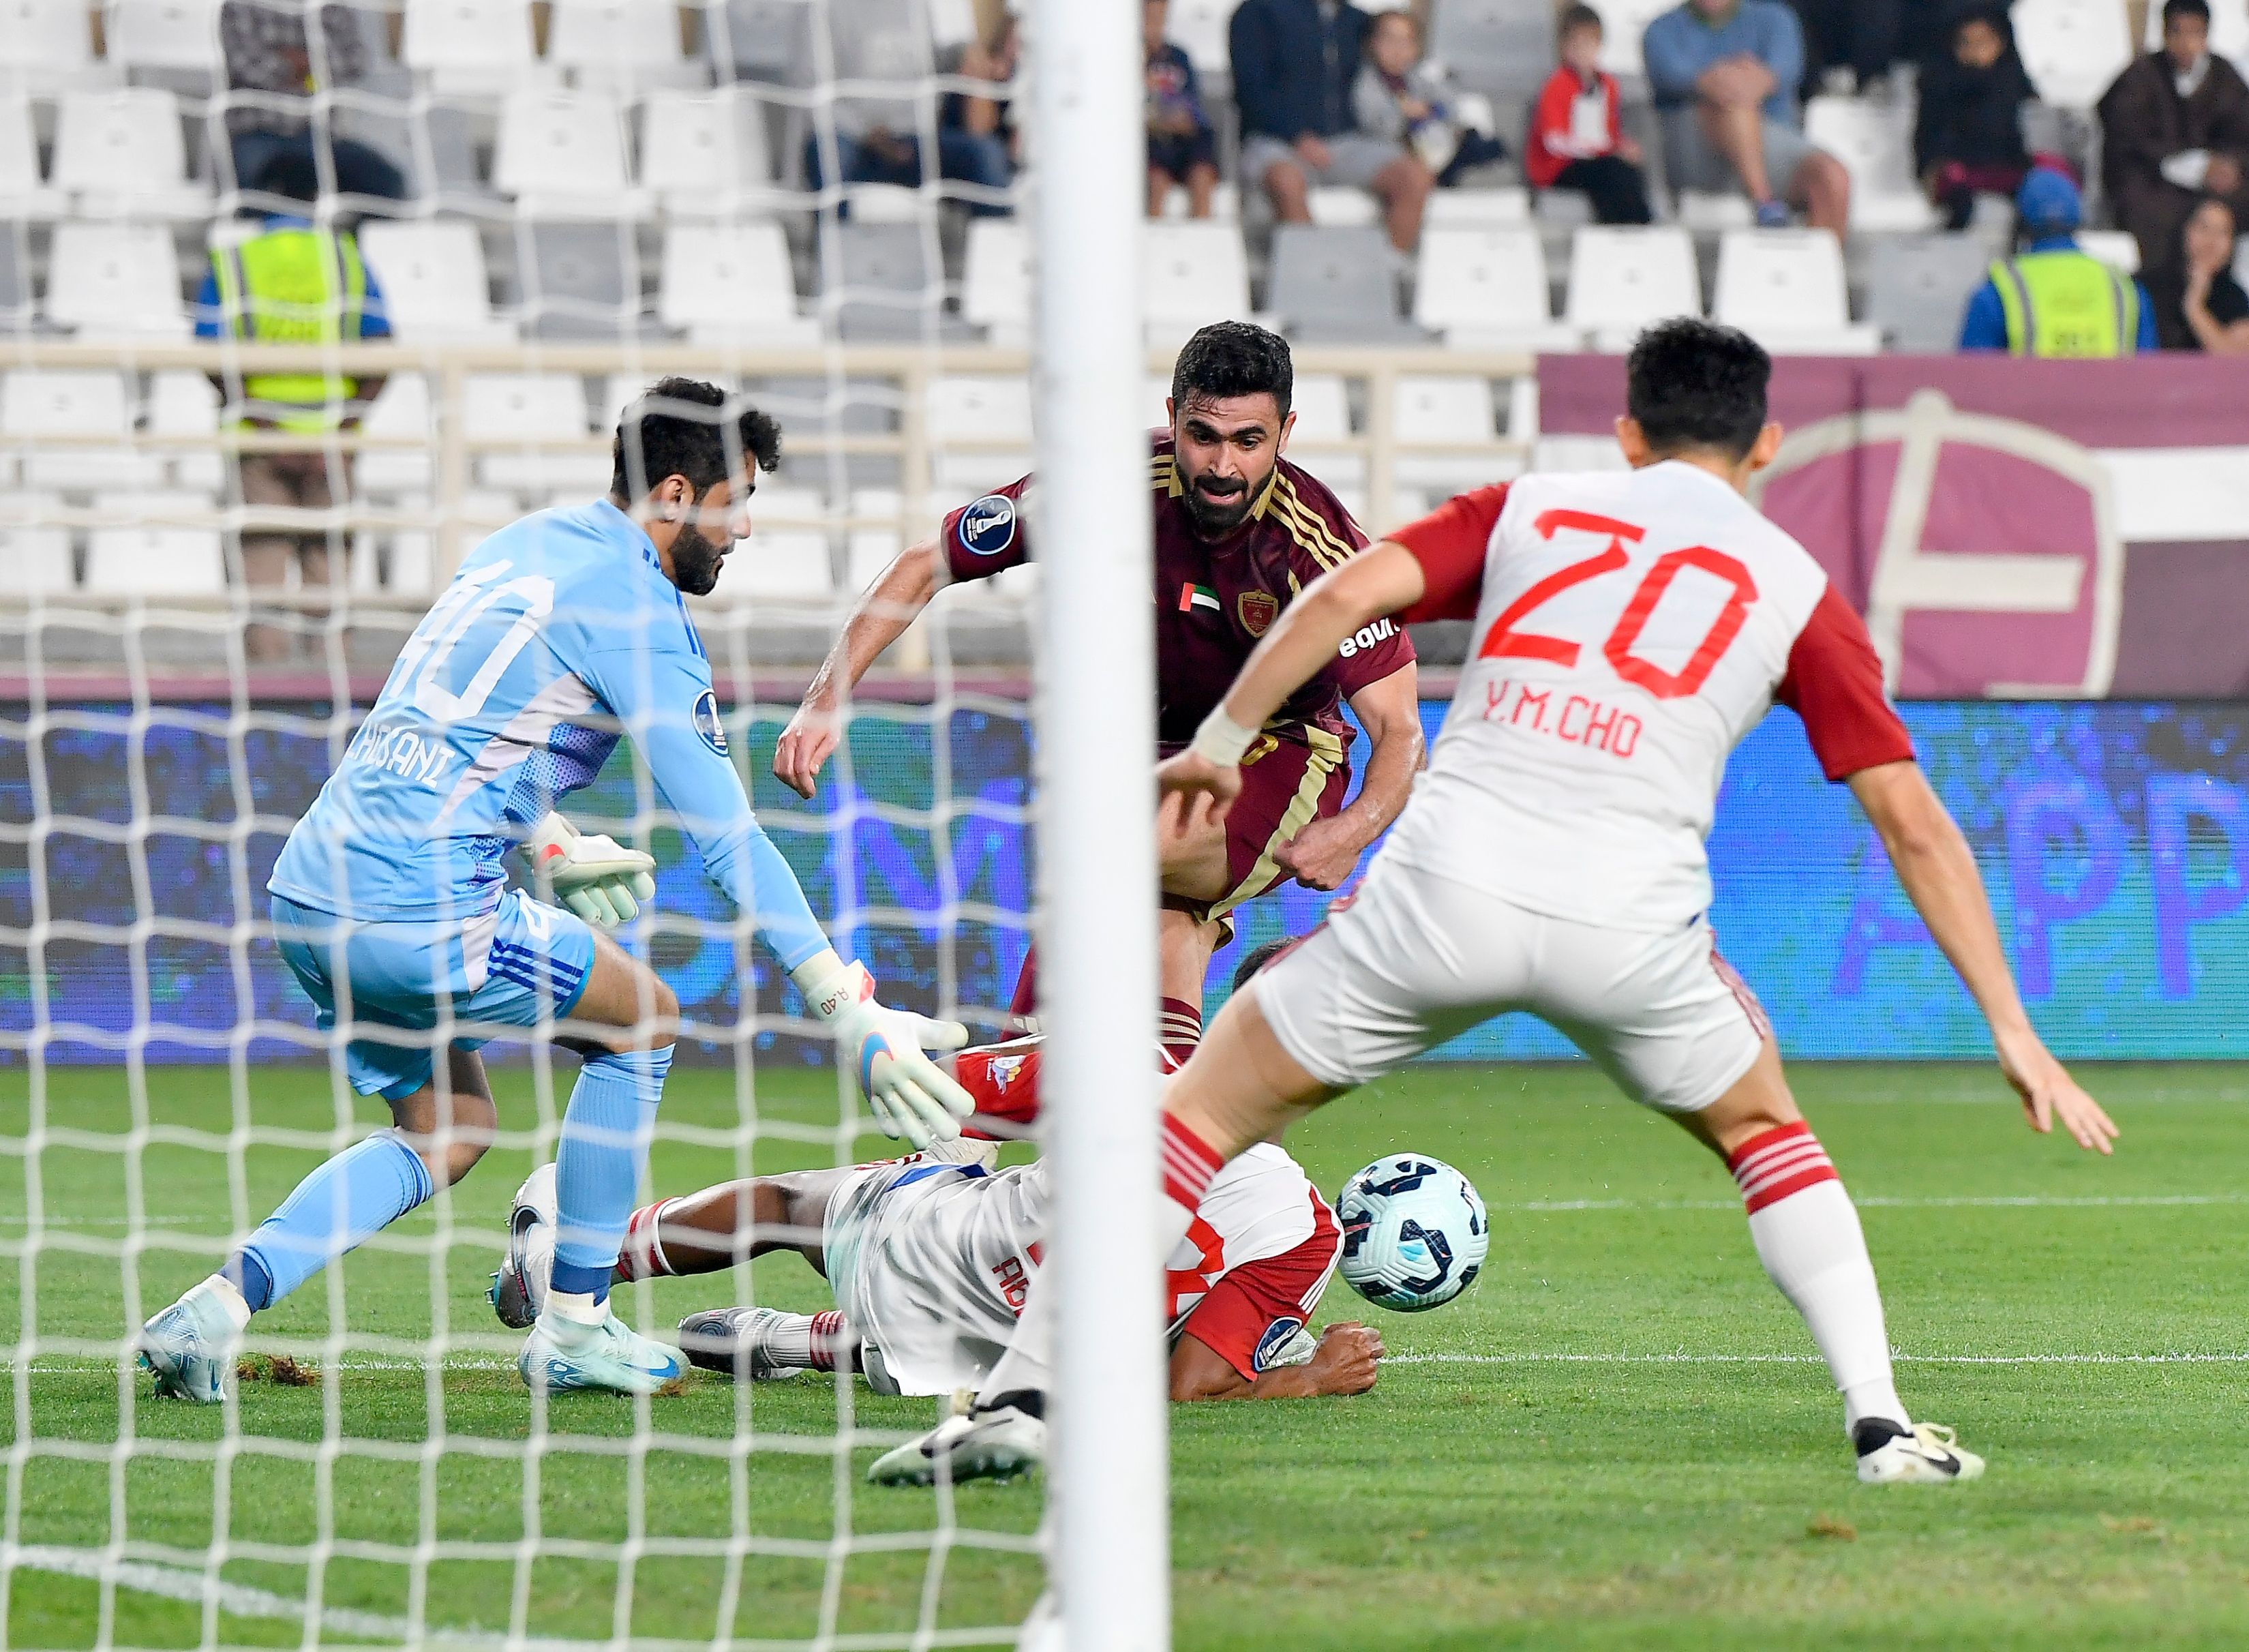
[(1109, 1474)]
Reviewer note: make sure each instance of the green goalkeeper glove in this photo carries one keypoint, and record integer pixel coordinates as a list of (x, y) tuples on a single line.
[(911, 1095), (595, 876)]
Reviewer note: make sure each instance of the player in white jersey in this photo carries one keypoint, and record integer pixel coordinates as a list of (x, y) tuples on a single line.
[(391, 905), (1629, 629)]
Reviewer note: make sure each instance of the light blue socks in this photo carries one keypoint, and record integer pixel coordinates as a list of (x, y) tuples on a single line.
[(605, 1137), (362, 1190)]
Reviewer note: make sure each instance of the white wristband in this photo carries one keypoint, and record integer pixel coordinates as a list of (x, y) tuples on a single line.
[(1221, 739)]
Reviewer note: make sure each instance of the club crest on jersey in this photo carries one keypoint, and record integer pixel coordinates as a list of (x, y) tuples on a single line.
[(988, 525), (708, 723), (1258, 610), (1277, 1344)]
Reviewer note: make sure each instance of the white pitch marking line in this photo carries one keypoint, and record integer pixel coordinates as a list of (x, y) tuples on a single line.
[(1552, 1358), (240, 1600), (1994, 1201)]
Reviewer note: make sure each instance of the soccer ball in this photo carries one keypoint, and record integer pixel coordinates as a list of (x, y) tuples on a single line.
[(1414, 1233)]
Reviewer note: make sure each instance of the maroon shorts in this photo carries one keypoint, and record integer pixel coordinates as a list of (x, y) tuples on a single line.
[(1285, 787)]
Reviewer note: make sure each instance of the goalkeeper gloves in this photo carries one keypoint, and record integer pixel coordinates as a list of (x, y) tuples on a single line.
[(911, 1095), (595, 876)]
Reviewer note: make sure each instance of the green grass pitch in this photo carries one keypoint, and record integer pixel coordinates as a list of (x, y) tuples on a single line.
[(1620, 1438)]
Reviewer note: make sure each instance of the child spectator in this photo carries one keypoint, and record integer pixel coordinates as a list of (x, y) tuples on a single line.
[(1400, 98), (1967, 139), (1577, 137), (1182, 148)]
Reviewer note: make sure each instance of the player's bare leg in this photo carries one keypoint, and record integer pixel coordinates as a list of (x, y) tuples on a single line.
[(1807, 1234), (1193, 868)]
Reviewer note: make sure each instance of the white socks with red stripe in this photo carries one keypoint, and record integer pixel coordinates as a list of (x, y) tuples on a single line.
[(807, 1341), (1808, 1236), (1189, 1162), (642, 1255)]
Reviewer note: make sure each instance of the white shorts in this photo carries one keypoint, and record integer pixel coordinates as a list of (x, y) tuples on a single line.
[(1415, 959), (931, 1264)]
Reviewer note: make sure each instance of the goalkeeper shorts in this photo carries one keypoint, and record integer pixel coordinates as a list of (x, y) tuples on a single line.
[(391, 985)]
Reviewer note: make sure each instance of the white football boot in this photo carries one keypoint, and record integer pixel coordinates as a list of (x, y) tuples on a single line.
[(997, 1444), (1927, 1455), (189, 1347), (564, 1356), (518, 1288)]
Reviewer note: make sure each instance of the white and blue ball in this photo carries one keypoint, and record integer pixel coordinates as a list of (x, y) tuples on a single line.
[(1414, 1233)]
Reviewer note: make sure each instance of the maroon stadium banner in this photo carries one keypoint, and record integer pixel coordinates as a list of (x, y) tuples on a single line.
[(2010, 528)]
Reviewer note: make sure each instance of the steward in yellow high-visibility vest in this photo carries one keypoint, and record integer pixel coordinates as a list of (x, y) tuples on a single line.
[(293, 282), (2054, 299)]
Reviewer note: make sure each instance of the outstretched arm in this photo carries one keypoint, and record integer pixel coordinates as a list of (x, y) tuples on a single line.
[(1343, 1363), (1374, 583), (1321, 855), (880, 616), (1938, 870)]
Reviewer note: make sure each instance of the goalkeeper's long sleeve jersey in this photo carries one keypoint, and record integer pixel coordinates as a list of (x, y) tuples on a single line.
[(560, 635)]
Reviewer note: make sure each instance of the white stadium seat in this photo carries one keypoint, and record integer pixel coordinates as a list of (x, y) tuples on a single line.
[(1875, 143), (1192, 274), (993, 407), (185, 403), (24, 195), (152, 561), (995, 281), (707, 157), (1198, 27), (165, 34), (1623, 23), (1785, 288), (628, 44), (402, 411), (116, 280), (35, 561), (1477, 209), (1340, 207), (432, 272), (562, 154), (530, 411), (2073, 49), (1487, 289), (2118, 249), (123, 153), (1322, 404), (469, 45), (1435, 409), (732, 283), (1622, 279), (44, 42)]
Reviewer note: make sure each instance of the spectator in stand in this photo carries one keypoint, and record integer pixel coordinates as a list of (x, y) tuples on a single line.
[(986, 118), (294, 282), (275, 63), (1405, 100), (877, 137), (2175, 127), (2053, 300), (1294, 64), (1182, 147), (1577, 133), (2198, 304), (1968, 138), (1852, 46), (1724, 74)]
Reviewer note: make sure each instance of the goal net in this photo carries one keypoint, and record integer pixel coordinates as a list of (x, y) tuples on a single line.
[(822, 206)]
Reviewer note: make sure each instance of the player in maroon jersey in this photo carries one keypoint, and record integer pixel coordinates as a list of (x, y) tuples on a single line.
[(1239, 532)]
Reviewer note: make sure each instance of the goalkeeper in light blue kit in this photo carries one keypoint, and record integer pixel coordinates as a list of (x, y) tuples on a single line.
[(558, 634)]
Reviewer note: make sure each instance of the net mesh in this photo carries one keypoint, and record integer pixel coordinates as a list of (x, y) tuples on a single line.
[(556, 205)]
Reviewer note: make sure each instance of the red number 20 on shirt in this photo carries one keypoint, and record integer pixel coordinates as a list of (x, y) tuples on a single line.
[(1505, 642)]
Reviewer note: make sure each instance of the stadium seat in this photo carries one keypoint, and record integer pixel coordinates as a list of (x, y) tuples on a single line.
[(1192, 274), (990, 406), (184, 403), (1478, 208), (2073, 49), (1504, 47), (116, 280), (24, 195), (1322, 404), (413, 559), (707, 157), (890, 203), (35, 561), (995, 280), (531, 411), (732, 283), (133, 563), (791, 563), (435, 287), (884, 281), (165, 34), (1918, 288), (1442, 410), (1336, 286), (1623, 23), (1875, 142), (403, 411), (579, 281), (620, 44), (758, 40), (1785, 288), (1621, 279), (562, 154), (1706, 212), (123, 153), (17, 309), (80, 402), (47, 43), (2118, 249), (470, 46), (1225, 204), (1199, 28), (1487, 289), (1341, 207), (868, 550), (2229, 28)]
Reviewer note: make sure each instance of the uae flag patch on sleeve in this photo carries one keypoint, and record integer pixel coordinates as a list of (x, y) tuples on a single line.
[(1193, 597)]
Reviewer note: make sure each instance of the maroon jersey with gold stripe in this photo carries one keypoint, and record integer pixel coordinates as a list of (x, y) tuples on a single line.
[(1214, 598)]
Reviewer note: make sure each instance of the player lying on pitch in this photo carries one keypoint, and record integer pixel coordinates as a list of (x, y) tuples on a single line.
[(1630, 628), (931, 1257), (389, 902), (1240, 531)]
